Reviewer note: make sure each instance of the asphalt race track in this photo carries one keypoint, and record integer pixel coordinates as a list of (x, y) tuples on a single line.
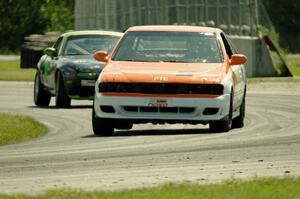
[(70, 156)]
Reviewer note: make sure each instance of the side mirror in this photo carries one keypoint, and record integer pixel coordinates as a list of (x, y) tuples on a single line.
[(50, 52), (237, 59), (101, 56)]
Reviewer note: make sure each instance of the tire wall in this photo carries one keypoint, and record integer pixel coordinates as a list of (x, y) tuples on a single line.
[(32, 49)]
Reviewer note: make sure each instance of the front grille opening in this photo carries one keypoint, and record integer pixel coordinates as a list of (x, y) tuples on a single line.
[(186, 110), (151, 109), (169, 109), (131, 108), (210, 111), (107, 109), (162, 88), (148, 109)]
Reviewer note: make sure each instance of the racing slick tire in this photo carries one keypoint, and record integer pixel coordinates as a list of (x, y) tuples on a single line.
[(238, 122), (62, 100), (102, 127), (40, 96), (223, 125)]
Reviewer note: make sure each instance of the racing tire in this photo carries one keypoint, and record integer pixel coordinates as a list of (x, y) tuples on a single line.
[(40, 96), (223, 125), (102, 127), (238, 122), (62, 100)]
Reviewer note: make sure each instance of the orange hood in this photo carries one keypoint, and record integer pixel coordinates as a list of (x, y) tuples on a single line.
[(163, 72)]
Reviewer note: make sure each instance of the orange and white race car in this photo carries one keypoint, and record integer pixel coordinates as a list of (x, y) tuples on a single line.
[(170, 74)]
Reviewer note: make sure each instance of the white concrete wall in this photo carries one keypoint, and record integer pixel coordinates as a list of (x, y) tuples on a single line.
[(259, 62)]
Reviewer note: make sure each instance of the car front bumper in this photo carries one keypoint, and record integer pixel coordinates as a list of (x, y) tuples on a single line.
[(81, 86), (168, 109)]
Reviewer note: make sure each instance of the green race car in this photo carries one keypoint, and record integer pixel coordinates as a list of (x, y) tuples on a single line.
[(68, 69)]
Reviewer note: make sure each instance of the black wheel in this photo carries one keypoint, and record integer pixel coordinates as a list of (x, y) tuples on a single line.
[(62, 100), (238, 122), (40, 96), (223, 125), (102, 127)]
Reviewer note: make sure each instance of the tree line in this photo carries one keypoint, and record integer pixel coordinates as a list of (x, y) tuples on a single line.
[(19, 18), (285, 15)]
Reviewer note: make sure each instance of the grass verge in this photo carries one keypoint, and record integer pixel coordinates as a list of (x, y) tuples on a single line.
[(17, 128), (259, 189), (11, 71), (295, 70), (257, 80), (293, 61)]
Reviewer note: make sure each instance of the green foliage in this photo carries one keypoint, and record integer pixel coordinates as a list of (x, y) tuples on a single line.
[(293, 62), (18, 19), (6, 51), (286, 19), (258, 189), (22, 18), (59, 15), (16, 128), (295, 70), (275, 36)]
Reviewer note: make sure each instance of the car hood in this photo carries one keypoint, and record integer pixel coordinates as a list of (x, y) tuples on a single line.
[(82, 63), (164, 72)]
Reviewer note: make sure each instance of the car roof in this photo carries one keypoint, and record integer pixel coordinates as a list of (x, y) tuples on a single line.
[(92, 32), (175, 28)]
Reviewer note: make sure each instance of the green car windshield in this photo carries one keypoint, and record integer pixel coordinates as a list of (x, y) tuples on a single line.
[(88, 44), (169, 47)]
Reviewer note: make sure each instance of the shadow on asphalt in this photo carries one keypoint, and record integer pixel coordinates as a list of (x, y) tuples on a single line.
[(156, 132), (54, 107)]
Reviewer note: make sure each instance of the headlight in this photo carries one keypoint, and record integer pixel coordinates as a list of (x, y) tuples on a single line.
[(69, 72)]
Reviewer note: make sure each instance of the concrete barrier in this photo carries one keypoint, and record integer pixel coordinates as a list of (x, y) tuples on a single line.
[(252, 48), (260, 63)]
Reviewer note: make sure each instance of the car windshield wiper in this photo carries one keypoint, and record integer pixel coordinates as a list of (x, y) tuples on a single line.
[(128, 60), (135, 60), (176, 61)]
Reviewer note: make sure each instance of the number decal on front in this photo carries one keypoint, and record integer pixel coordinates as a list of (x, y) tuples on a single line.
[(158, 103)]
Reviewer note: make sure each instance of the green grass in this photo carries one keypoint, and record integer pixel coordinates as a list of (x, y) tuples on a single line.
[(17, 128), (11, 71), (295, 70), (254, 189), (257, 80), (293, 59), (293, 62)]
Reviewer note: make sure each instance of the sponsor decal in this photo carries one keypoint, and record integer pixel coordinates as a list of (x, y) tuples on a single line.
[(158, 103), (46, 68), (88, 83), (160, 78)]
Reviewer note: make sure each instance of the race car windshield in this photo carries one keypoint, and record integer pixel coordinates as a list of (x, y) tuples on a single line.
[(168, 47), (88, 44)]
